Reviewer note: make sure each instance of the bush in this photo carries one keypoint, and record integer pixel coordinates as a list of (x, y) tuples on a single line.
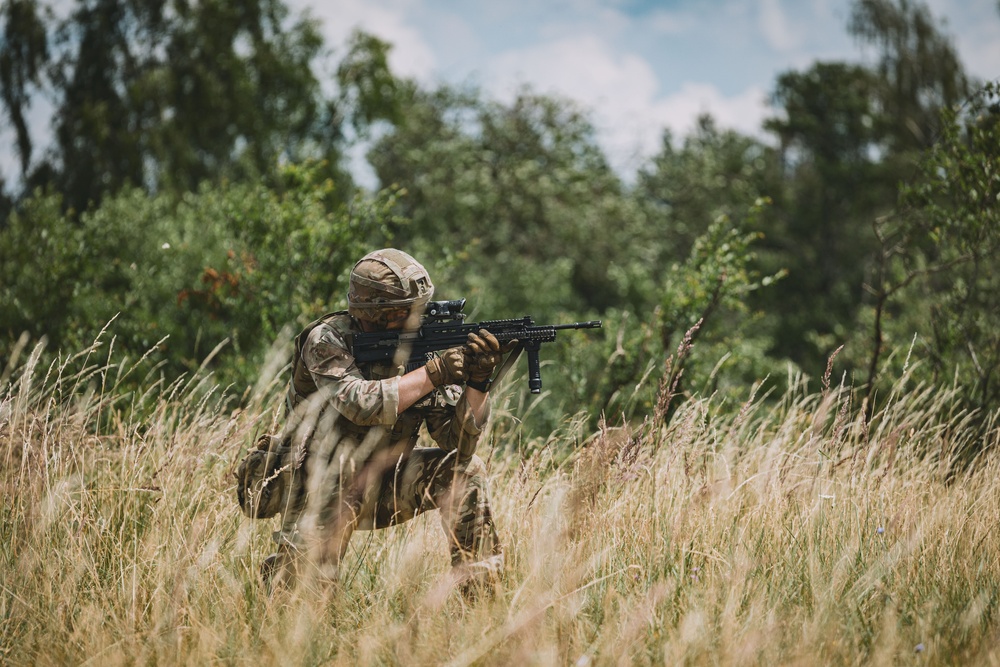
[(234, 265)]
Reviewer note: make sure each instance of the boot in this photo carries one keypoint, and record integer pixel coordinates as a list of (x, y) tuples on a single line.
[(479, 579), (278, 570)]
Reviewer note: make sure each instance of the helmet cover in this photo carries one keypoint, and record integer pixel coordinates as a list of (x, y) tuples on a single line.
[(387, 281)]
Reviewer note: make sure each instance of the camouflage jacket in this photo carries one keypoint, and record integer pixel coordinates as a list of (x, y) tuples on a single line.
[(365, 397)]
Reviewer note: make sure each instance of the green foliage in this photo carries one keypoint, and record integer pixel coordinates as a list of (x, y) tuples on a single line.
[(715, 276), (849, 135), (830, 118), (24, 53), (714, 173), (369, 91), (708, 297), (236, 263), (685, 344), (940, 274), (513, 206)]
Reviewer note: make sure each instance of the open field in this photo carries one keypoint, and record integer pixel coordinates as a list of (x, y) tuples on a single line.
[(789, 533)]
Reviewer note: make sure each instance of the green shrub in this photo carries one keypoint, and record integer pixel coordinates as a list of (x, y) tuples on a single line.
[(234, 264)]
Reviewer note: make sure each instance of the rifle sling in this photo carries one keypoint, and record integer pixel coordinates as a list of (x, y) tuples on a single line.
[(508, 363)]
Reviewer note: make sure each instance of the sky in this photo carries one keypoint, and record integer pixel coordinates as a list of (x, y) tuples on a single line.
[(639, 66)]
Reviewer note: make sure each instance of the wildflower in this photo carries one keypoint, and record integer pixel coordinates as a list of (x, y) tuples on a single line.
[(880, 530), (919, 648), (165, 246)]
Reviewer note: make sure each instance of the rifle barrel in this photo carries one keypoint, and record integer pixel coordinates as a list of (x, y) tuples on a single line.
[(593, 324)]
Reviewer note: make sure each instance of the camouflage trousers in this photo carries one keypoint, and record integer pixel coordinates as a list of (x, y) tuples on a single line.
[(329, 502)]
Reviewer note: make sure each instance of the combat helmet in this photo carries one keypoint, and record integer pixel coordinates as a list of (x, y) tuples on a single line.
[(386, 282)]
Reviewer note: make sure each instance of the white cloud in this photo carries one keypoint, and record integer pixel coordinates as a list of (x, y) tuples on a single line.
[(777, 28), (744, 112), (37, 118), (622, 91), (671, 23), (10, 166), (584, 68), (633, 135), (411, 55), (975, 27)]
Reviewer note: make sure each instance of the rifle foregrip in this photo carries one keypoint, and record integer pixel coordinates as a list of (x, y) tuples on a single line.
[(534, 369)]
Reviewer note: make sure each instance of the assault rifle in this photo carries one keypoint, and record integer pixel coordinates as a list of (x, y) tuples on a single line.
[(443, 327)]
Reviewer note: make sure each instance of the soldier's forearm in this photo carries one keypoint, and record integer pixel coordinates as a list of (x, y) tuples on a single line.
[(412, 387), (477, 404)]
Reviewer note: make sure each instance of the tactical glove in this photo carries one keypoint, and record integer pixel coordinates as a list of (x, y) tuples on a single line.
[(447, 367), (484, 353)]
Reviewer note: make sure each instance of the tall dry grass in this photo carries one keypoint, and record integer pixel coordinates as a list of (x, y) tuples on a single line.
[(795, 533)]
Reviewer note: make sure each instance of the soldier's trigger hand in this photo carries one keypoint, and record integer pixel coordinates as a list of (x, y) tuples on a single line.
[(447, 367)]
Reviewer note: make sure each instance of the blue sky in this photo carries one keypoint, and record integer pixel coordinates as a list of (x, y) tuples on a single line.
[(639, 65)]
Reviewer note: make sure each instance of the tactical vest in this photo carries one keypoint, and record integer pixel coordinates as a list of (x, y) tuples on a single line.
[(303, 385)]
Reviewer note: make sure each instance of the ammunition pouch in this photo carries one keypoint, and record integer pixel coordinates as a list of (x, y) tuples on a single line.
[(262, 477)]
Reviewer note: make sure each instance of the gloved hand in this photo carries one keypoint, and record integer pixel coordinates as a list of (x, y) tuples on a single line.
[(483, 353), (447, 367)]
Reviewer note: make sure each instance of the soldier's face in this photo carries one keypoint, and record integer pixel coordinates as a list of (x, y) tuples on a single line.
[(405, 319), (394, 320)]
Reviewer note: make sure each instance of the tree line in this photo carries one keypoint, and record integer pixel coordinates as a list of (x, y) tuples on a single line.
[(196, 191)]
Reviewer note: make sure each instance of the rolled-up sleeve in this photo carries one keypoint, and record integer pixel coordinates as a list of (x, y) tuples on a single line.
[(330, 363), (456, 428)]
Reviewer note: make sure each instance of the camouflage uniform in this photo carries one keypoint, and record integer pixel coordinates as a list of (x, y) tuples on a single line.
[(362, 469)]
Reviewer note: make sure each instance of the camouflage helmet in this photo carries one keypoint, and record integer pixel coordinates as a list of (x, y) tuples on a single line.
[(385, 281)]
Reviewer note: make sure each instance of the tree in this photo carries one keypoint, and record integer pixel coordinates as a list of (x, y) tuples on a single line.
[(164, 94), (939, 275), (707, 207), (521, 189), (23, 55), (714, 173), (830, 132), (234, 262), (918, 70)]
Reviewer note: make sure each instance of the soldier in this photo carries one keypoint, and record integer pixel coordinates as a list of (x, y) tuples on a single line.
[(353, 428)]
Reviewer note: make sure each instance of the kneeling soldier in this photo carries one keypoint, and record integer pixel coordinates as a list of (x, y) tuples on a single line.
[(351, 462)]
